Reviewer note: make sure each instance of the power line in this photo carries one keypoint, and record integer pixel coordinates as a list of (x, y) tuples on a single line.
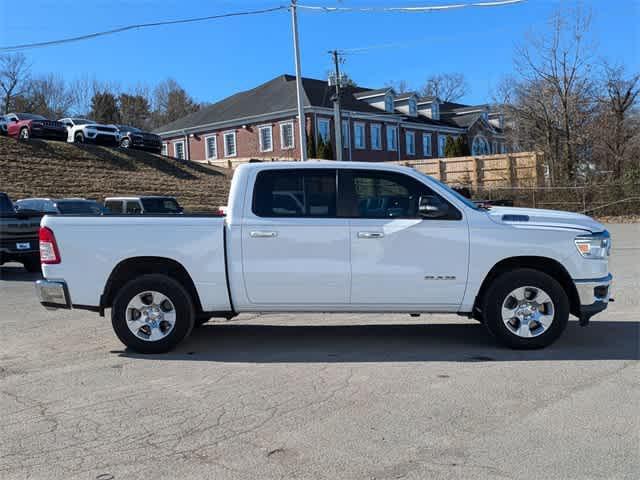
[(416, 9), (89, 36)]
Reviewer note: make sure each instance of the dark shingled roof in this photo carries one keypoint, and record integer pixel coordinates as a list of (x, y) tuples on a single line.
[(279, 94), (463, 121)]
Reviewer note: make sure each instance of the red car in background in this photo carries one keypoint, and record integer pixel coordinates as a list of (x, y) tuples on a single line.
[(28, 125)]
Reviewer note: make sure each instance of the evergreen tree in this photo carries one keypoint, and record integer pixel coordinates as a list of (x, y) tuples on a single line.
[(462, 146), (450, 147), (104, 108), (321, 148), (328, 151), (311, 146)]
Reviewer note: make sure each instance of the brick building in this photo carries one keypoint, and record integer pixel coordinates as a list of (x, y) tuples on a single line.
[(377, 124)]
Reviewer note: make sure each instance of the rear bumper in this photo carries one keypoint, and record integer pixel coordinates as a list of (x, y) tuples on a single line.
[(594, 296), (53, 294)]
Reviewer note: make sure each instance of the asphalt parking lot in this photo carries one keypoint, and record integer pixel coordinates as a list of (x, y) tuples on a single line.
[(320, 396)]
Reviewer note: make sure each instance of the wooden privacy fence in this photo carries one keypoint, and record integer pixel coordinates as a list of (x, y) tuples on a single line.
[(523, 169)]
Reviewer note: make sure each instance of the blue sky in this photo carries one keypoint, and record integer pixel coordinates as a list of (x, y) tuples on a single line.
[(215, 59)]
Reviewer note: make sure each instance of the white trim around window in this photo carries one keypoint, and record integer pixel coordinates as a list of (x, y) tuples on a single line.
[(426, 144), (376, 136), (392, 138), (165, 149), (346, 134), (283, 141), (230, 150), (183, 155), (211, 147), (442, 143), (359, 133), (266, 142), (410, 142)]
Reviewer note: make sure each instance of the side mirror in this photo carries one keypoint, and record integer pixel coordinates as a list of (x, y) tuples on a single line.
[(430, 206)]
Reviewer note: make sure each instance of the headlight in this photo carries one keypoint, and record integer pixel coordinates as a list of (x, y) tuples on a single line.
[(596, 245)]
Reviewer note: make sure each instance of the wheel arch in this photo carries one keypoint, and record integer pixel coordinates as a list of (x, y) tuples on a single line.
[(547, 265), (135, 266)]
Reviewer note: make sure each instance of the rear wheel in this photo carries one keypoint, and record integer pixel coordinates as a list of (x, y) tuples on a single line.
[(152, 314), (526, 309), (79, 137), (125, 143), (24, 133)]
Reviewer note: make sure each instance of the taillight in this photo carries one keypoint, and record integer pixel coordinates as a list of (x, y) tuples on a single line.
[(49, 253)]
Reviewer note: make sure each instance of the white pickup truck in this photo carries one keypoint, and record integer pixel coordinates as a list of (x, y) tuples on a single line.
[(330, 237)]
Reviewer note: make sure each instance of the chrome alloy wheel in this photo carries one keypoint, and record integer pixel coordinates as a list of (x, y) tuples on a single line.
[(528, 312), (150, 316)]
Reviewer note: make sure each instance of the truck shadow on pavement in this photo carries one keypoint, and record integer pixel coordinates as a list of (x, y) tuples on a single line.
[(18, 274), (602, 340)]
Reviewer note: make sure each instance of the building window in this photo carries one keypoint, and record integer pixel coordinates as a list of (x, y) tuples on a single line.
[(494, 147), (442, 143), (426, 144), (413, 108), (358, 130), (230, 144), (435, 110), (178, 148), (410, 140), (480, 146), (503, 149), (345, 133), (165, 149), (266, 138), (388, 103), (392, 138), (287, 141), (211, 149), (324, 131), (376, 136)]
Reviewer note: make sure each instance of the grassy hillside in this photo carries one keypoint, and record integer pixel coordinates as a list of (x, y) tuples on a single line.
[(40, 168)]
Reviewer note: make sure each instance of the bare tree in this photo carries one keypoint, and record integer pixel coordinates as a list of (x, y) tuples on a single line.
[(400, 86), (617, 124), (171, 102), (448, 87), (14, 73), (47, 95), (556, 66)]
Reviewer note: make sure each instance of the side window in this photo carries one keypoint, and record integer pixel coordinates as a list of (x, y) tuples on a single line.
[(133, 207), (295, 193), (393, 195), (113, 206)]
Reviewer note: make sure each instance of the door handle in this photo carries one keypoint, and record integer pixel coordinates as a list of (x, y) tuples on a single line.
[(263, 234), (370, 234)]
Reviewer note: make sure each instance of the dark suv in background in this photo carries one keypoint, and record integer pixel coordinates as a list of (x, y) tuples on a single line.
[(19, 235), (132, 137)]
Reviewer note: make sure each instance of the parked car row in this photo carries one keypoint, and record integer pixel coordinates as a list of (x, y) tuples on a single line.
[(150, 205), (77, 130)]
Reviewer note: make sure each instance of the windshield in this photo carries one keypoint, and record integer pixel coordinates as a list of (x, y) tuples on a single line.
[(5, 204), (468, 202), (84, 207), (29, 116), (160, 205), (127, 128)]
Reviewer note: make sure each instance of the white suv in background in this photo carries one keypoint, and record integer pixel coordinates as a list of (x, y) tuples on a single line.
[(81, 130)]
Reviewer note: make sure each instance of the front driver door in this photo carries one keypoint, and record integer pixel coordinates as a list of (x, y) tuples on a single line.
[(399, 258), (295, 251)]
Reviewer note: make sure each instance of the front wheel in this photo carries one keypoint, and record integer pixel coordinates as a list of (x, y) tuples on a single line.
[(25, 134), (79, 137), (152, 314), (526, 309), (125, 143)]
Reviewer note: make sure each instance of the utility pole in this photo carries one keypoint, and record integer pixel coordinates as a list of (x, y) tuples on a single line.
[(302, 122), (337, 117)]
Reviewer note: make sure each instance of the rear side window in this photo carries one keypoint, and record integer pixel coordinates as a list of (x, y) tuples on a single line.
[(113, 206), (295, 193)]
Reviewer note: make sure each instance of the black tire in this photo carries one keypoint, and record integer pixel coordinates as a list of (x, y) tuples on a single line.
[(79, 137), (167, 286), (24, 133), (125, 143), (32, 265), (498, 292)]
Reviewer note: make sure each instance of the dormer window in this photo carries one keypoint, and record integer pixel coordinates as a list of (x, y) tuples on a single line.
[(388, 103), (413, 108), (435, 111)]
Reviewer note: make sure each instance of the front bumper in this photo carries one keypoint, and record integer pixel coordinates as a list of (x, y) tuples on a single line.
[(101, 138), (594, 295), (53, 294), (52, 133)]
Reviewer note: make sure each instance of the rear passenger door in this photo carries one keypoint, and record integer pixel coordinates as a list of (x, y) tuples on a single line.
[(295, 250), (400, 260)]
